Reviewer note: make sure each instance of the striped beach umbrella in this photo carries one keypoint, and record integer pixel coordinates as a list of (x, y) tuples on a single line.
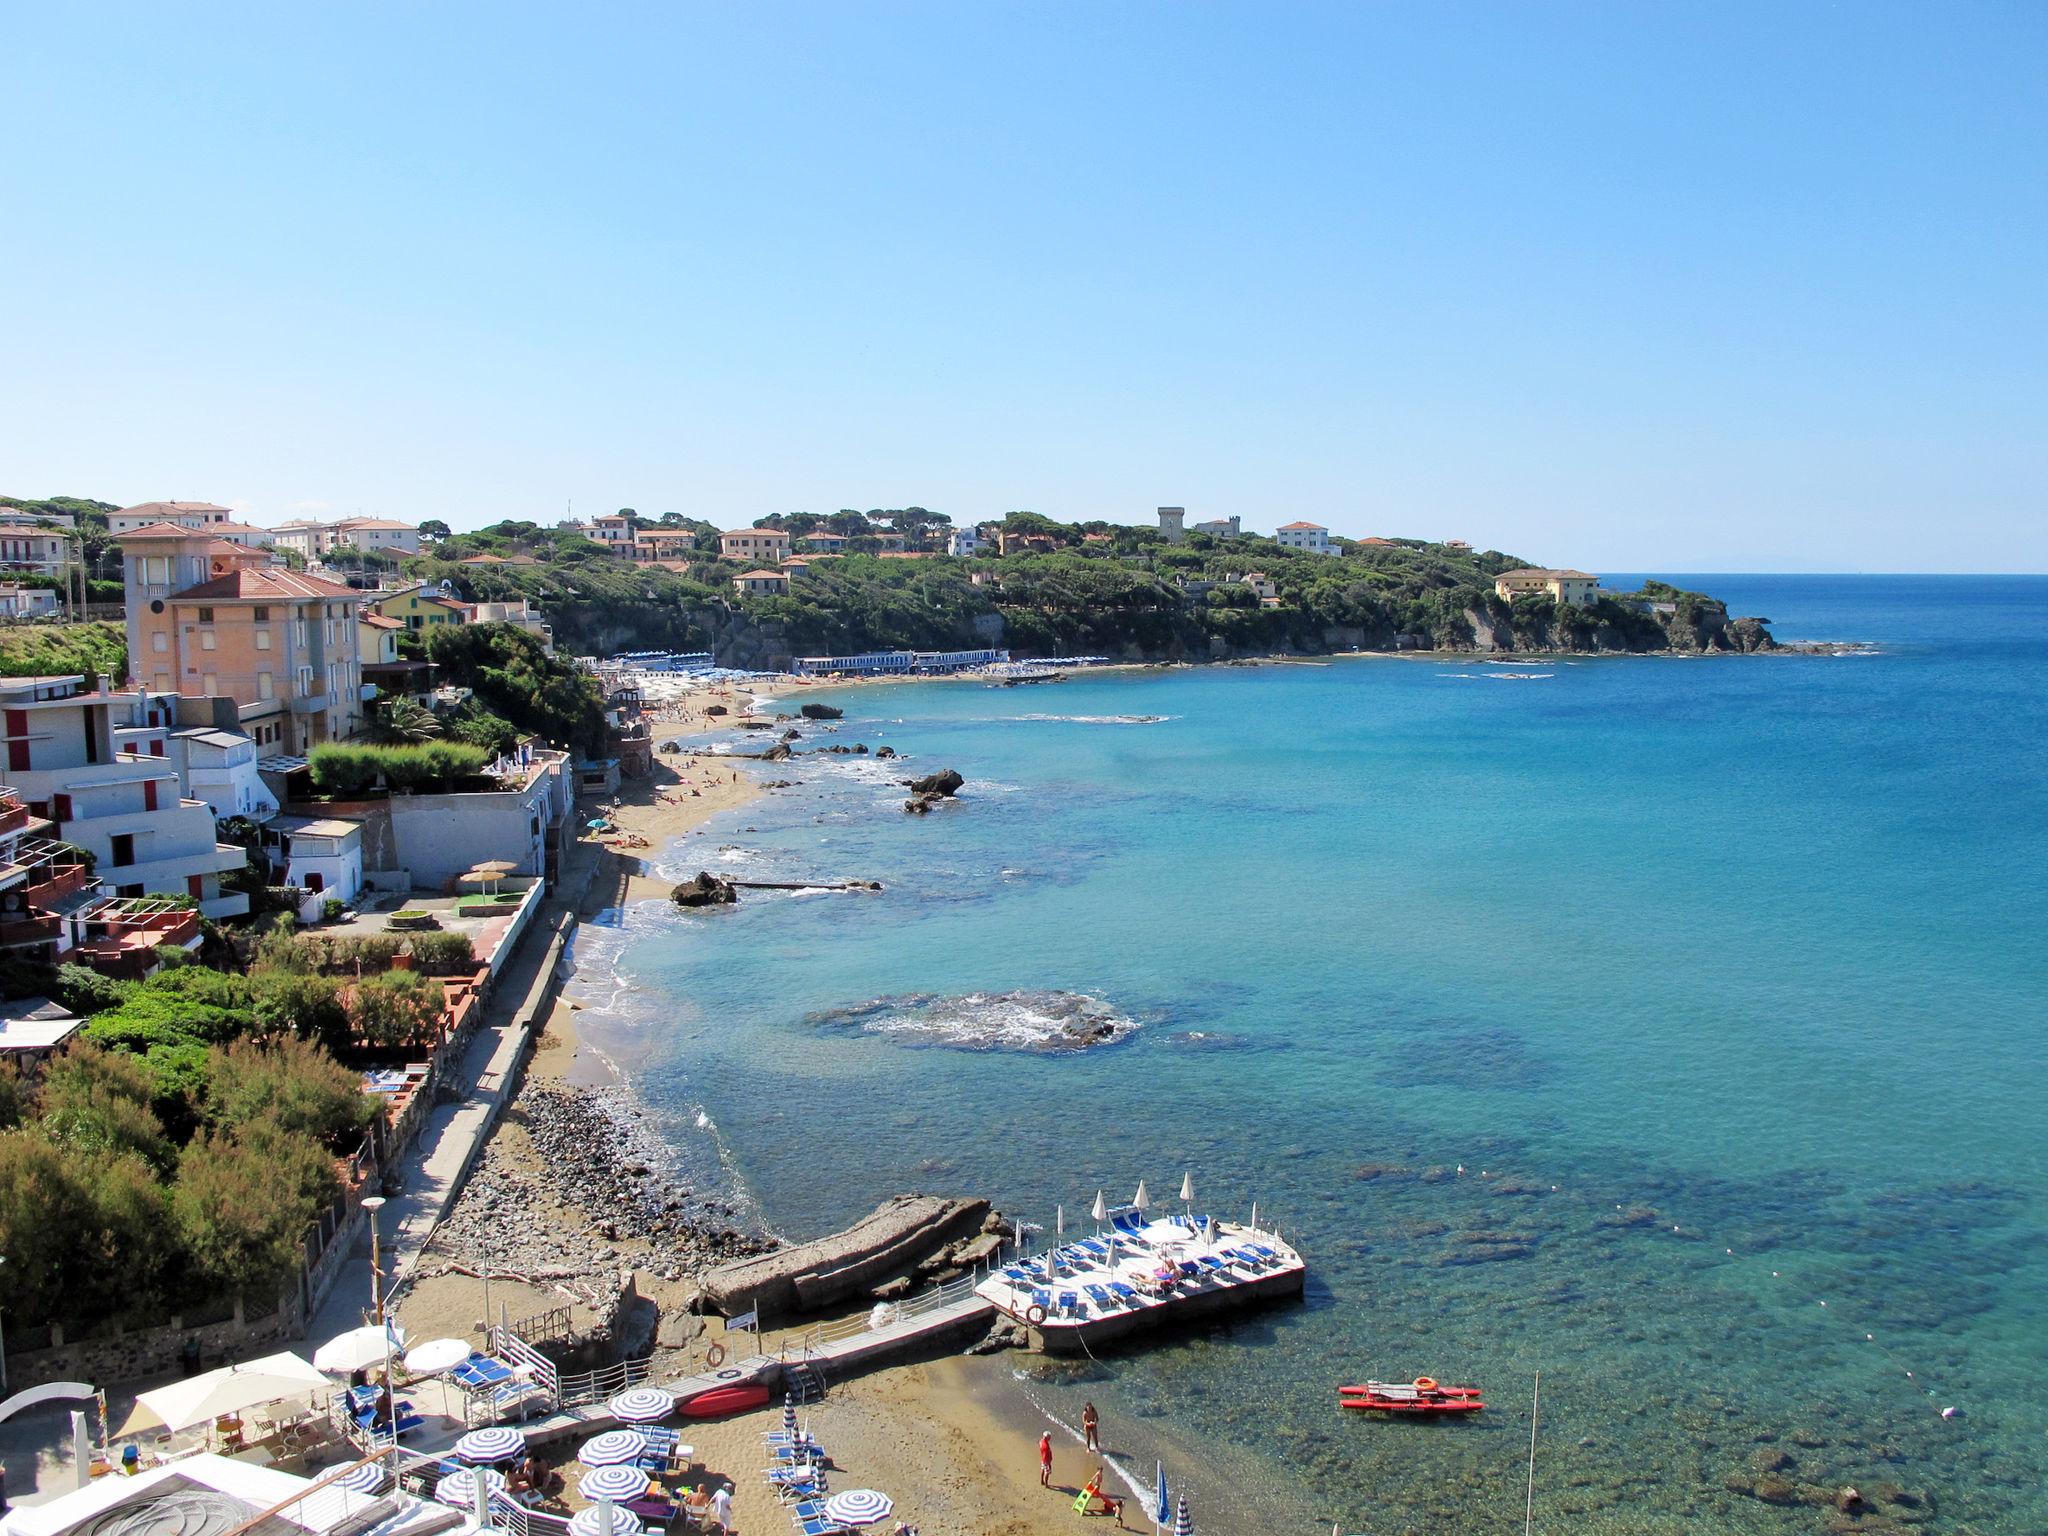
[(614, 1448), (1183, 1523), (789, 1425), (368, 1478), (590, 1522), (619, 1484), (459, 1487), (858, 1506), (642, 1405), (480, 1447)]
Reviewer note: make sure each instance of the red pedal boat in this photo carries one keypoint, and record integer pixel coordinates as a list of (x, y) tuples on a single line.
[(1422, 1395)]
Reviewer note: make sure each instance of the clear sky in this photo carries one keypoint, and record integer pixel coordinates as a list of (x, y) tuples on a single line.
[(1631, 285)]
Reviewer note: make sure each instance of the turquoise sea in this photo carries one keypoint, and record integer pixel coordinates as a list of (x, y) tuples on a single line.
[(1672, 1027)]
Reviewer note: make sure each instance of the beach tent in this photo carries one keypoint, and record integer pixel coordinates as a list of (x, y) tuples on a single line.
[(232, 1388)]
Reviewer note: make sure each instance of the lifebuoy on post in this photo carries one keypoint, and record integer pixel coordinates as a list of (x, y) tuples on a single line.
[(1034, 1314), (715, 1354)]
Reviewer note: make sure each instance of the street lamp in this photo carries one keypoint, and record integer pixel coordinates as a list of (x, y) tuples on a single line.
[(388, 1393)]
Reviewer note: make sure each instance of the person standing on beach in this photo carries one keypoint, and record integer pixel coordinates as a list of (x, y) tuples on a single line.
[(1088, 1427), (1045, 1460), (721, 1507)]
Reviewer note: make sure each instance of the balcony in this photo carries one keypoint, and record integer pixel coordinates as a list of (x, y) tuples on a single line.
[(26, 932)]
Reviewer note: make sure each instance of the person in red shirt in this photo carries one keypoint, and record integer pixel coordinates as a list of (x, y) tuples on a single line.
[(1045, 1460)]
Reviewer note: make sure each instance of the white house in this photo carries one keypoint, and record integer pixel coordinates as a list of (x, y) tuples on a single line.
[(184, 514), (324, 856), (1578, 588), (219, 767), (964, 541), (1313, 537), (26, 602)]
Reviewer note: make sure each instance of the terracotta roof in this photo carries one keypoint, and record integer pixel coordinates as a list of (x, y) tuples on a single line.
[(265, 582), (905, 554), (373, 522), (162, 531), (378, 621), (232, 527), (751, 575), (167, 509), (1302, 528), (1530, 570), (779, 533)]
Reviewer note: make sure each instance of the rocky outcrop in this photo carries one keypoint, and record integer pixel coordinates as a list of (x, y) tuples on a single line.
[(822, 712), (716, 709), (895, 1239), (779, 753), (881, 752), (930, 790), (704, 889)]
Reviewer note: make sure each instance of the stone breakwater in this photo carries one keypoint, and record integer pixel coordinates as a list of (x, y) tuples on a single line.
[(590, 1150)]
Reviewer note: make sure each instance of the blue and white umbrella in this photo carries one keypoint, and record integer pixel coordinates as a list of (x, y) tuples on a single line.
[(589, 1522), (858, 1506), (619, 1484), (642, 1405), (613, 1448), (1183, 1522), (789, 1424), (368, 1478), (500, 1442), (459, 1487)]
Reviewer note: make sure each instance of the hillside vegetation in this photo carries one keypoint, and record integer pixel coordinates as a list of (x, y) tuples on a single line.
[(55, 650)]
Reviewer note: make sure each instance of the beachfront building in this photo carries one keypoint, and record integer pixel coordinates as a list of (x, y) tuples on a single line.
[(1230, 527), (219, 768), (29, 547), (522, 820), (1574, 587), (1313, 537), (964, 541), (764, 546), (421, 607), (884, 663), (761, 583), (27, 602), (65, 762), (1173, 523), (33, 1032), (323, 855), (212, 620)]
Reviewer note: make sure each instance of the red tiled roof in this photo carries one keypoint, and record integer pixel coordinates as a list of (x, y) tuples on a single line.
[(163, 531), (1303, 528), (372, 522), (378, 621), (167, 509), (772, 575), (265, 583)]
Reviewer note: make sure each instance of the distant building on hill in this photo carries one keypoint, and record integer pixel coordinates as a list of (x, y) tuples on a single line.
[(1262, 584), (1313, 537), (181, 514), (1574, 587), (1456, 544), (761, 583), (964, 541), (1173, 523), (1222, 527), (757, 544)]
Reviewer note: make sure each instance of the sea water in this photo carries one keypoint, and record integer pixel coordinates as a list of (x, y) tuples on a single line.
[(1672, 1027)]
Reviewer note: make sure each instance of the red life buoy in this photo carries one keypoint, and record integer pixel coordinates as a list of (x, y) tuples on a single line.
[(1034, 1314), (715, 1354)]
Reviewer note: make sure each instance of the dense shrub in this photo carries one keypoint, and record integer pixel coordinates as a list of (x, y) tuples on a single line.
[(398, 1010), (291, 1083), (443, 954), (351, 769)]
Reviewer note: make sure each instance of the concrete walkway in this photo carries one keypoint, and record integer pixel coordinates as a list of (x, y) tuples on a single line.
[(454, 1135)]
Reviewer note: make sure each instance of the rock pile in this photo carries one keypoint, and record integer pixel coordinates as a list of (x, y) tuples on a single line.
[(593, 1153), (704, 889)]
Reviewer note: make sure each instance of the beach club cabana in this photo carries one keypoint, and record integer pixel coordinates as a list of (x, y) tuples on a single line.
[(225, 1393)]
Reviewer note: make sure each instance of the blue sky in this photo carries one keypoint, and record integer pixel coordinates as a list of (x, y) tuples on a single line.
[(1624, 285)]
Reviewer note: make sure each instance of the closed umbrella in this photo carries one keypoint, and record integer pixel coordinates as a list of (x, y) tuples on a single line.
[(1187, 1194), (590, 1522), (789, 1426), (1138, 1200), (459, 1487), (1099, 1212), (642, 1405), (230, 1389), (613, 1448), (858, 1506), (499, 1442), (619, 1484), (1161, 1509), (359, 1349), (1183, 1523)]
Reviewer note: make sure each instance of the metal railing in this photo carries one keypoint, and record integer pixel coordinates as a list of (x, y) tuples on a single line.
[(605, 1382), (939, 1297)]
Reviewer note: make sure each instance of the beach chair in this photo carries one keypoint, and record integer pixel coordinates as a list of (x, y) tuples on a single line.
[(1127, 1294), (1210, 1262), (1262, 1251), (818, 1527), (1189, 1268), (1041, 1297), (1100, 1297), (1130, 1223)]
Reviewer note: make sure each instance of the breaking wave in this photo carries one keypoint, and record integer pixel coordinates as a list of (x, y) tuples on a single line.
[(1027, 1020)]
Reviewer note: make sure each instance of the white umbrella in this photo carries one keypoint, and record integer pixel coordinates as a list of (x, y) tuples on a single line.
[(360, 1348), (613, 1448), (227, 1390), (615, 1483), (1101, 1211), (590, 1522), (858, 1506), (642, 1405), (436, 1356), (498, 1442), (1138, 1200), (1210, 1231), (1187, 1186), (459, 1487)]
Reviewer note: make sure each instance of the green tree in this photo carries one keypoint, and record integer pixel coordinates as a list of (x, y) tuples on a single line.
[(97, 1100), (396, 1010), (405, 720), (301, 1005), (242, 1204), (87, 1234), (293, 1084), (434, 528)]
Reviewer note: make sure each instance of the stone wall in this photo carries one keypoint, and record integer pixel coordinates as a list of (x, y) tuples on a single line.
[(139, 1352)]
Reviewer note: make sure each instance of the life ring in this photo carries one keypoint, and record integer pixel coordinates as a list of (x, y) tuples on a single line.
[(729, 1373), (1425, 1383), (1034, 1314), (715, 1354)]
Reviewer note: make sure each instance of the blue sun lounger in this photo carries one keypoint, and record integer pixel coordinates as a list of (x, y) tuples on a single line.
[(1127, 1294), (1094, 1246), (1130, 1222), (1100, 1296), (1070, 1304), (1210, 1262), (1262, 1250), (1041, 1297)]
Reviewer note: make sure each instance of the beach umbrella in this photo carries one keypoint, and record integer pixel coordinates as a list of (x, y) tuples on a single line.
[(459, 1487), (1138, 1200), (436, 1356), (1210, 1231), (500, 1442), (1160, 1507), (858, 1506), (1100, 1212), (613, 1448), (1183, 1523), (789, 1424), (642, 1405), (199, 1399), (1187, 1187), (359, 1349), (591, 1521), (1255, 1218), (368, 1478), (617, 1483)]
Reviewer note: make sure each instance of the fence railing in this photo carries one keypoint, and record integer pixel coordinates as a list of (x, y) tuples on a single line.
[(936, 1299), (604, 1382)]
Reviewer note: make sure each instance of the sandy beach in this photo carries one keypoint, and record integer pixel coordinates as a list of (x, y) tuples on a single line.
[(925, 1433)]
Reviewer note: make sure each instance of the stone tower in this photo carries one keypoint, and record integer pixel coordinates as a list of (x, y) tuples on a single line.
[(1171, 521)]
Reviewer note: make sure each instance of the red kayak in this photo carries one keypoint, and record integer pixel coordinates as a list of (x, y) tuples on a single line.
[(716, 1403), (1422, 1395)]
